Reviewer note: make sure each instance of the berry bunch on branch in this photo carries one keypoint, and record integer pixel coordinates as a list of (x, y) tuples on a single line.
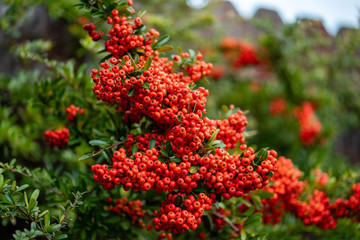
[(58, 138), (178, 150), (310, 126), (290, 194)]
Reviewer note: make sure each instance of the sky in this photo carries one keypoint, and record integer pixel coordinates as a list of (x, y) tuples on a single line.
[(333, 13)]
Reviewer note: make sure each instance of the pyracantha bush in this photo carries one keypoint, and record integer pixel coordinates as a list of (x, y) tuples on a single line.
[(182, 152)]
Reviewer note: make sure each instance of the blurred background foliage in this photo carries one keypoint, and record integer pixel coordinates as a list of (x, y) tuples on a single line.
[(45, 67)]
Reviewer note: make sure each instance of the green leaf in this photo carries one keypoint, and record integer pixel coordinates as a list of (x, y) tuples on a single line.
[(218, 143), (245, 202), (134, 148), (43, 213), (192, 85), (253, 220), (177, 160), (1, 179), (86, 156), (111, 140), (179, 118), (206, 80), (141, 13), (9, 198), (225, 109), (264, 195), (112, 7), (165, 48), (62, 236), (243, 235), (146, 85), (132, 62), (33, 200), (192, 53), (54, 227), (105, 58), (47, 220), (106, 154), (125, 224), (213, 136), (100, 142), (152, 143), (102, 51), (248, 212), (23, 187), (270, 174), (131, 91), (26, 200), (168, 147), (35, 194), (195, 106), (33, 226), (164, 152), (147, 63), (113, 219), (194, 169), (13, 186), (179, 50), (161, 41), (162, 159), (136, 58), (261, 156), (257, 201)]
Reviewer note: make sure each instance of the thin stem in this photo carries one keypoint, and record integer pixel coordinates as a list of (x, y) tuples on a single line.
[(115, 144), (216, 214), (68, 211), (36, 180), (29, 216)]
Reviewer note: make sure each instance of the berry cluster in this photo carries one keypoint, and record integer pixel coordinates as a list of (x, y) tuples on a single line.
[(277, 106), (179, 151), (321, 177), (72, 111), (239, 52), (122, 39), (90, 28), (348, 208), (131, 209), (316, 211), (179, 216), (320, 212), (310, 126), (231, 129), (229, 175), (286, 189), (217, 72), (157, 94), (58, 138)]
